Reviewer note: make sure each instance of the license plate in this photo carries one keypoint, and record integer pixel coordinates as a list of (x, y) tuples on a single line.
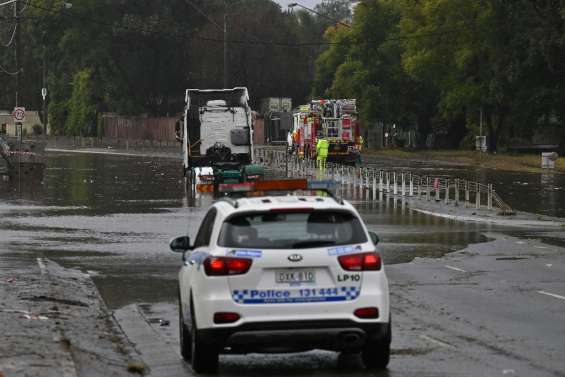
[(295, 276)]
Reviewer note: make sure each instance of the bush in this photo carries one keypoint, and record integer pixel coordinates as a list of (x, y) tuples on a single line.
[(37, 129)]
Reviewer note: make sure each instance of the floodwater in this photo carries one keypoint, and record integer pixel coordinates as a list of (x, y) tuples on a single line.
[(542, 193), (113, 216)]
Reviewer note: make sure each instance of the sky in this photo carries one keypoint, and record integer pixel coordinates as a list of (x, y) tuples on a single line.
[(306, 3)]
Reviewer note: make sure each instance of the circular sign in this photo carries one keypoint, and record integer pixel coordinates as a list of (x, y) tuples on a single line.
[(19, 114)]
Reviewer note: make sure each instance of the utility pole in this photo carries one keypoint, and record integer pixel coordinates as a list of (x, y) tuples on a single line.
[(44, 90), (226, 63), (17, 49)]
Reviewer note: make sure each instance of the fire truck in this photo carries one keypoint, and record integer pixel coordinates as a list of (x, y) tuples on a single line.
[(333, 119)]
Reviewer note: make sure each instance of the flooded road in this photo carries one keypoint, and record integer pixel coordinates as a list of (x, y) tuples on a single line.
[(113, 216)]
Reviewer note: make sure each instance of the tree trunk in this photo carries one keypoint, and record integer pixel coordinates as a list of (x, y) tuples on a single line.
[(496, 126)]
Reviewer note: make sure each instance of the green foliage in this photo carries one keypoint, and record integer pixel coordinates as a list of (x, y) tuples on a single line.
[(436, 63), (82, 112), (144, 55)]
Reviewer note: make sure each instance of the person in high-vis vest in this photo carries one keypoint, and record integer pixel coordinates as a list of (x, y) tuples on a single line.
[(322, 147)]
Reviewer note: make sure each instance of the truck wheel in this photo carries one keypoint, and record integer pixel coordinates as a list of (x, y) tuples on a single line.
[(376, 353), (204, 358)]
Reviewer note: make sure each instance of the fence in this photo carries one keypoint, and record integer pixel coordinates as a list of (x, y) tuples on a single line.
[(138, 128), (442, 189)]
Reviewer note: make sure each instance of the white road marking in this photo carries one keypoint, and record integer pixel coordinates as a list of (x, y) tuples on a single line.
[(437, 342), (41, 266), (91, 152), (551, 295), (508, 371), (455, 268), (548, 265)]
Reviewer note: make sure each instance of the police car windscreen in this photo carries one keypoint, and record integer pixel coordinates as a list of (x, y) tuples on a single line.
[(291, 230)]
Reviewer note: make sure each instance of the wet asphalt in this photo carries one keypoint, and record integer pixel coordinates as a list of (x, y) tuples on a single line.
[(113, 217)]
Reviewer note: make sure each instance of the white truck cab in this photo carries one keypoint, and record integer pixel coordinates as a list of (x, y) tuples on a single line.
[(217, 129)]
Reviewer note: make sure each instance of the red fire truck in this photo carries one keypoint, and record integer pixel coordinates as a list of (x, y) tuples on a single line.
[(335, 120)]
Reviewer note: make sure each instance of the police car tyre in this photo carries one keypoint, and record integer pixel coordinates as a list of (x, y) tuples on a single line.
[(204, 357), (184, 336), (376, 353)]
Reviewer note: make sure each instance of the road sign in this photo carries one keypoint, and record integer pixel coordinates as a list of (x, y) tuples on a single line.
[(19, 114), (44, 93)]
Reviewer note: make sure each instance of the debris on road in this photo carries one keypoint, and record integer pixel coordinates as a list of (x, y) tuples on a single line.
[(75, 337)]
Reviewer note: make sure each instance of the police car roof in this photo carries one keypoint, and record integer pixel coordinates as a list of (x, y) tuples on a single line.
[(284, 202)]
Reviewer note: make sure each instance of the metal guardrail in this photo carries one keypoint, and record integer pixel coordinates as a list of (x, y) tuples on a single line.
[(443, 189)]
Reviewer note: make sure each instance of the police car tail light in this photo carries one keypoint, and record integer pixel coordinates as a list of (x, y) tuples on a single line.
[(361, 262), (367, 313), (226, 317), (223, 266)]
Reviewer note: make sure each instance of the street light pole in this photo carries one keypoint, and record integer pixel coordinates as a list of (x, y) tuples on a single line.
[(292, 5)]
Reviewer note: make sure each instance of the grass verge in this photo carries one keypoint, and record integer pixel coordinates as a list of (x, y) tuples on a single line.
[(502, 161)]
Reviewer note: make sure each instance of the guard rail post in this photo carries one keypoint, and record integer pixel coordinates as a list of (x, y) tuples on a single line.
[(427, 188), (446, 190), (403, 189), (374, 185), (387, 182), (380, 181), (456, 192), (467, 194), (489, 196), (477, 196), (394, 187), (411, 179)]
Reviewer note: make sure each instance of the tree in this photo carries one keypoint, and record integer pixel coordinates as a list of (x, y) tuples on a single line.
[(82, 110)]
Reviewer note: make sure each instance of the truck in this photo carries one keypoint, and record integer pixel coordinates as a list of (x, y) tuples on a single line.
[(277, 113), (333, 119), (217, 137)]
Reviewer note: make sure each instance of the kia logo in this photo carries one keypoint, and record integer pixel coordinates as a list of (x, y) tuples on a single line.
[(295, 258)]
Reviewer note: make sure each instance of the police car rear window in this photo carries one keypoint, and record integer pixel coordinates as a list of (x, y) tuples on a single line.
[(291, 230)]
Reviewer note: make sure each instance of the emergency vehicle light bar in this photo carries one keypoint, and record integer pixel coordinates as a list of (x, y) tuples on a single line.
[(277, 185), (321, 185), (272, 185)]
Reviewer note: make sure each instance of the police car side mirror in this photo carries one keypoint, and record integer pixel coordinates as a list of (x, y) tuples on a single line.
[(374, 238), (180, 244)]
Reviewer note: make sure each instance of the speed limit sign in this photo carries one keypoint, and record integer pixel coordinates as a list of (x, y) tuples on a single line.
[(19, 114)]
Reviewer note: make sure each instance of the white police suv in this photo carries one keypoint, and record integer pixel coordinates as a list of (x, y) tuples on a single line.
[(282, 273)]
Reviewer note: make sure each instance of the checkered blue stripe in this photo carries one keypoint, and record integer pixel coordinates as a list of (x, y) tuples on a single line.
[(350, 293), (346, 294), (240, 296)]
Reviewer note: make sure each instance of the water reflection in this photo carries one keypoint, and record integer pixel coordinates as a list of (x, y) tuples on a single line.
[(542, 193)]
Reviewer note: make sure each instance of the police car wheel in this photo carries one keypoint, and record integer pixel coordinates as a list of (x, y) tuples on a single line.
[(376, 353), (184, 335), (204, 356)]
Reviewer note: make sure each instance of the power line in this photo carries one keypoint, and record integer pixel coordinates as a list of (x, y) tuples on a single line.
[(184, 36), (11, 38), (4, 70)]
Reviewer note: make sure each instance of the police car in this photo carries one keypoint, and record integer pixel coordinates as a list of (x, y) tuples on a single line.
[(282, 273)]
